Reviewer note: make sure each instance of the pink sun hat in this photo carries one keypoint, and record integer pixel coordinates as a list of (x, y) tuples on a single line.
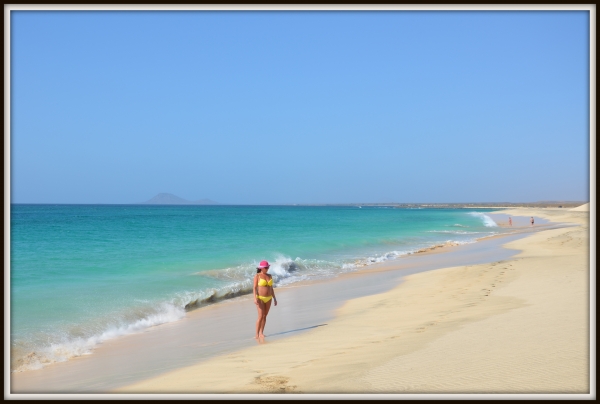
[(263, 264)]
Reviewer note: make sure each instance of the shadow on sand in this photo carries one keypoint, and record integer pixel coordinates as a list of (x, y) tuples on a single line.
[(298, 329)]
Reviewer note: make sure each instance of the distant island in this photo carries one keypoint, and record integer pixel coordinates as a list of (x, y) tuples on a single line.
[(170, 199)]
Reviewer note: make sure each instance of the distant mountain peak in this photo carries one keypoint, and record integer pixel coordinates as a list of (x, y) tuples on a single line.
[(165, 198)]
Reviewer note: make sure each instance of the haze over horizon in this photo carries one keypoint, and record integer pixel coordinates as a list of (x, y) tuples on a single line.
[(165, 198), (299, 107)]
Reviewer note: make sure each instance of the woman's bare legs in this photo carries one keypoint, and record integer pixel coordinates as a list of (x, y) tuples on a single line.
[(259, 322), (263, 321)]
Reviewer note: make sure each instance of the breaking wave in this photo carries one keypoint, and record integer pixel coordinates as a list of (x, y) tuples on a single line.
[(487, 221)]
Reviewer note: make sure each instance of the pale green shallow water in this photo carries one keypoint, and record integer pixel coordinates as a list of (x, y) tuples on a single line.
[(82, 274)]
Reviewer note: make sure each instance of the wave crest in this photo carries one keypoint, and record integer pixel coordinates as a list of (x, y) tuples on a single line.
[(69, 347), (487, 221)]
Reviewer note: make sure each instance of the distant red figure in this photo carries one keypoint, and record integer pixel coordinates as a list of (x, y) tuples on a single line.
[(510, 221)]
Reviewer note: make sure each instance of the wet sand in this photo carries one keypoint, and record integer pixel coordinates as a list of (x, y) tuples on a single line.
[(149, 361)]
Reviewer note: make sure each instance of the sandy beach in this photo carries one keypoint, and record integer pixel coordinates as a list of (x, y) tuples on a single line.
[(519, 325)]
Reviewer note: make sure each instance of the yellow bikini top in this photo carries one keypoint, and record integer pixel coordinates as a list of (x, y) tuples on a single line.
[(262, 282)]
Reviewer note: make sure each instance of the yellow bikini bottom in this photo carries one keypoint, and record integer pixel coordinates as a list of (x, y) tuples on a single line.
[(265, 299)]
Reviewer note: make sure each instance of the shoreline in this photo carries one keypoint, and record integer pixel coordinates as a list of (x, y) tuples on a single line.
[(28, 359), (209, 313), (96, 369), (335, 363)]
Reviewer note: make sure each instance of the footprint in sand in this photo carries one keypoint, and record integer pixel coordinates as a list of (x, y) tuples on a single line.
[(274, 384)]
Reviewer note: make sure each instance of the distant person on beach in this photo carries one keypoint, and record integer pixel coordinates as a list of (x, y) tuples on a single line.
[(263, 294), (509, 221), (532, 220)]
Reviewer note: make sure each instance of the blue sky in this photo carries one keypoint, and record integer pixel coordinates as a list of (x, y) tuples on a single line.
[(254, 107)]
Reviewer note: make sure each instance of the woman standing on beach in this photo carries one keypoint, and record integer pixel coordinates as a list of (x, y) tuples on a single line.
[(263, 293)]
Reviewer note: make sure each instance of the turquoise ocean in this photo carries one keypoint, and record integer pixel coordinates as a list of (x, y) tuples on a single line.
[(84, 274)]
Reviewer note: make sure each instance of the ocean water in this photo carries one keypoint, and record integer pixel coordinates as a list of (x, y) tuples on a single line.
[(83, 274)]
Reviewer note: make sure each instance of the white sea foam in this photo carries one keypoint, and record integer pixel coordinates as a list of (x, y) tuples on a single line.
[(461, 242), (487, 221), (388, 256), (280, 268), (68, 348), (456, 232)]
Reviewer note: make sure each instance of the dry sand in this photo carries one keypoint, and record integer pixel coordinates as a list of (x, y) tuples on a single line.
[(582, 208), (521, 325)]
